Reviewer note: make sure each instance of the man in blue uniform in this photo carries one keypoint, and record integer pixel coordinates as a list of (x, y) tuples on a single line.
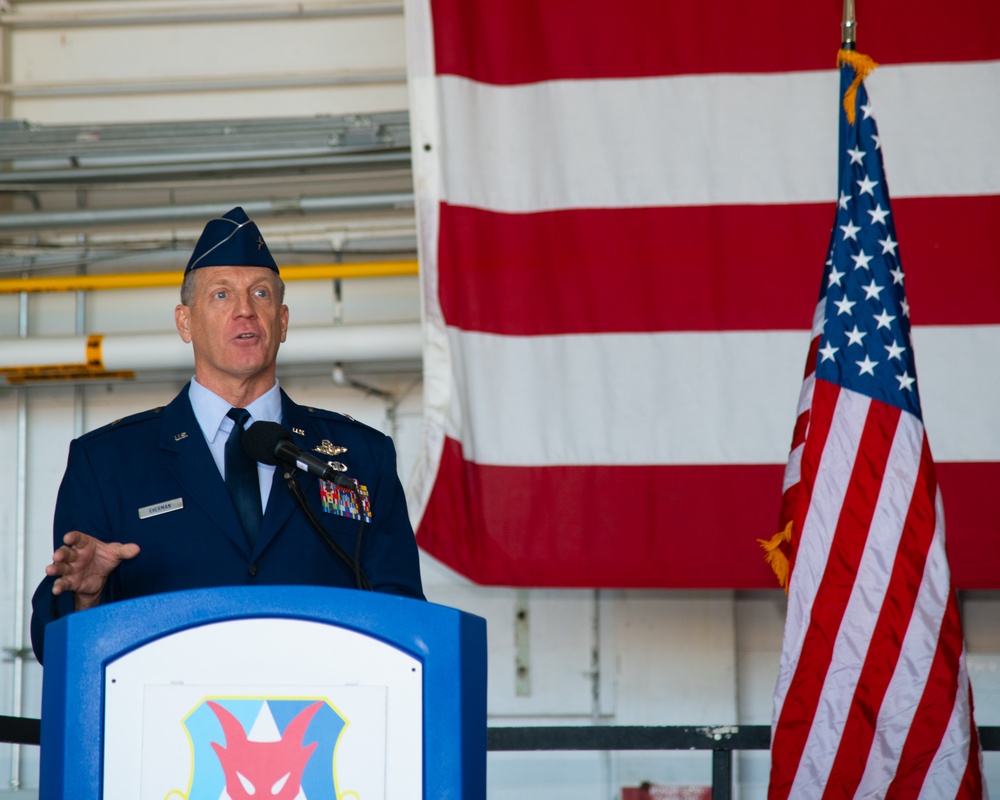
[(167, 499)]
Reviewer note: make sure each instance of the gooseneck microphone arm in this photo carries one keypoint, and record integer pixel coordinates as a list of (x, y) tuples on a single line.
[(270, 443)]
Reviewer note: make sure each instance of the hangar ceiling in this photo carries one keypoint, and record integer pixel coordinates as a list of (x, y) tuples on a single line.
[(126, 124), (134, 196)]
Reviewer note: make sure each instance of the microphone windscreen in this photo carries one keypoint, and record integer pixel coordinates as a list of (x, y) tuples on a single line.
[(262, 438)]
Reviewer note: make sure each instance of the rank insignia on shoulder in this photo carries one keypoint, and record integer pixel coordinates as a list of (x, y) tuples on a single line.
[(328, 448), (344, 502)]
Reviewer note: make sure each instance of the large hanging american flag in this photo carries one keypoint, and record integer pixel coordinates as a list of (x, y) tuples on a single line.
[(620, 208), (873, 698)]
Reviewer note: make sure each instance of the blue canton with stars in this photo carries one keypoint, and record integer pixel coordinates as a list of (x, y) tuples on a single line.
[(865, 344)]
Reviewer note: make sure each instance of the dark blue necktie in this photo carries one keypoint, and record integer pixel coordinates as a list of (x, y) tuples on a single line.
[(241, 477)]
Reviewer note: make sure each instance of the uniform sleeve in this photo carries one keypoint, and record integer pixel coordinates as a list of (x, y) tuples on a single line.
[(390, 559), (79, 506)]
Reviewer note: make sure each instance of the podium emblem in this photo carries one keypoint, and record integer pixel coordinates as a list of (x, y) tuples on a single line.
[(251, 748)]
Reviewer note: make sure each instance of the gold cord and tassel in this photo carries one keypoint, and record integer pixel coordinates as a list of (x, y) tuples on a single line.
[(863, 67), (775, 556)]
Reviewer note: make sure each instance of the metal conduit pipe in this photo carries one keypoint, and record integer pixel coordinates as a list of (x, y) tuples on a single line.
[(166, 351), (296, 11), (300, 206), (204, 84), (18, 653)]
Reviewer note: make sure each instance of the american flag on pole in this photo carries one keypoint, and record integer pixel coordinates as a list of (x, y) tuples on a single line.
[(873, 698), (618, 206)]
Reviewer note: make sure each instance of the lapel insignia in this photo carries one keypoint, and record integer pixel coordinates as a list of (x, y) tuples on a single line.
[(299, 431), (181, 435), (327, 448)]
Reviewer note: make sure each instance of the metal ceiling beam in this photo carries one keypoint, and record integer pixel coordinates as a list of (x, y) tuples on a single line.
[(215, 166), (159, 215), (343, 133)]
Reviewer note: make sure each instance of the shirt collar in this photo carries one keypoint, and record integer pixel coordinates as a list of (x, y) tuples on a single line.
[(210, 410)]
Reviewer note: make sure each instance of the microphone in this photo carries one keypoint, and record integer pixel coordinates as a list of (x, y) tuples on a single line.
[(270, 443)]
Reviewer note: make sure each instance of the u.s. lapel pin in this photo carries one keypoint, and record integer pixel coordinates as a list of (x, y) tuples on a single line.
[(327, 448), (179, 436)]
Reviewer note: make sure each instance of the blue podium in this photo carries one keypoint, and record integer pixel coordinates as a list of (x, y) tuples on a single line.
[(273, 692)]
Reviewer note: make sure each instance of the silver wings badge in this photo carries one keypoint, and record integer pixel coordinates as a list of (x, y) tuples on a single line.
[(327, 448)]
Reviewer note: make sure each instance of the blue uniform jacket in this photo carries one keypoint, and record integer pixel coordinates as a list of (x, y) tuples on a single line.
[(160, 455)]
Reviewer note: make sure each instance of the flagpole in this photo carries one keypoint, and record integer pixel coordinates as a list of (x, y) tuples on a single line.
[(848, 27)]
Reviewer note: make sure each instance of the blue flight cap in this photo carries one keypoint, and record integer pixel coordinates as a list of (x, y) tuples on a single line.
[(231, 240)]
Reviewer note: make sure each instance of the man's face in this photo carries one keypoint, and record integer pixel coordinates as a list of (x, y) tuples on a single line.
[(235, 324)]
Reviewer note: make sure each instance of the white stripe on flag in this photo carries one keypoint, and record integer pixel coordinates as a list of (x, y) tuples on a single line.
[(832, 480), (667, 398), (902, 697), (682, 398), (959, 356), (793, 469), (861, 614), (719, 139), (952, 757)]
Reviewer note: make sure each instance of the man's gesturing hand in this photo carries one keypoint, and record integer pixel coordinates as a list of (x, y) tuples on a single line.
[(82, 566)]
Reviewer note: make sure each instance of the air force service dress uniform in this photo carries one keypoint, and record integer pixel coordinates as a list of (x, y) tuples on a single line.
[(151, 479)]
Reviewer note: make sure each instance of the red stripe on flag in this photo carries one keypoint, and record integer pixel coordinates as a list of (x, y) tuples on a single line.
[(971, 523), (811, 357), (886, 644), (698, 550), (801, 428), (694, 268), (795, 501), (972, 781), (930, 253), (933, 712), (834, 591), (520, 532), (511, 41)]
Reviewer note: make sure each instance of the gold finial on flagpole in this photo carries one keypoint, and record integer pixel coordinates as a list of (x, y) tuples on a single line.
[(848, 28), (848, 54)]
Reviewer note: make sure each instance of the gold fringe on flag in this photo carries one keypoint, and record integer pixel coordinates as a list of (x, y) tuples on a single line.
[(774, 555), (863, 67)]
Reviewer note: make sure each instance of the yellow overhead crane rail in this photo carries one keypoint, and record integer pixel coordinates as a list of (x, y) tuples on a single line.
[(150, 280), (93, 368)]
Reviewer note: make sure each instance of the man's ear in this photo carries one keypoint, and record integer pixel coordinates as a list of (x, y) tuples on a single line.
[(182, 319), (284, 322)]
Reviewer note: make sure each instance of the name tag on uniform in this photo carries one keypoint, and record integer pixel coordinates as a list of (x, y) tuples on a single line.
[(161, 508)]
